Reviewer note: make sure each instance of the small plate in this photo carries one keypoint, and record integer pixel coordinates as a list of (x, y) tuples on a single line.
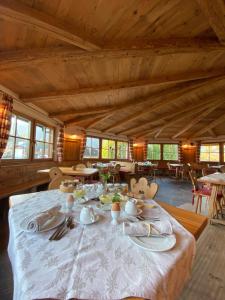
[(97, 217), (155, 244), (139, 211), (51, 224), (104, 207)]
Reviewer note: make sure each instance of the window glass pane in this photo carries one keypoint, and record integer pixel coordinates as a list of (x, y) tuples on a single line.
[(95, 143), (122, 150), (153, 152), (210, 152), (13, 125), (23, 128), (39, 133), (48, 150), (39, 150), (88, 142), (48, 135), (22, 149), (9, 151), (108, 149), (94, 153), (92, 148), (170, 152)]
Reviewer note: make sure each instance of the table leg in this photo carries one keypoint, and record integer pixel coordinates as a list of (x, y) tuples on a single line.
[(213, 206)]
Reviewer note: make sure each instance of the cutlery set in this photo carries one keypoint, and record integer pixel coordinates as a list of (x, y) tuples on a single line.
[(62, 229)]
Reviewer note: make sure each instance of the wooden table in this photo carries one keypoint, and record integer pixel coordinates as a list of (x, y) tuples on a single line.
[(217, 182), (82, 172), (177, 167), (216, 167)]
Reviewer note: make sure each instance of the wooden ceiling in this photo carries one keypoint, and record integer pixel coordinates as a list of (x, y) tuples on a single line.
[(145, 69)]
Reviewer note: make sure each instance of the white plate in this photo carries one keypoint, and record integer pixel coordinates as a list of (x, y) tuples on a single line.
[(97, 217), (51, 224), (156, 244), (139, 211), (104, 207)]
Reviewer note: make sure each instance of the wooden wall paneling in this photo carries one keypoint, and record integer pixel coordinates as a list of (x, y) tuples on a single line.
[(71, 150)]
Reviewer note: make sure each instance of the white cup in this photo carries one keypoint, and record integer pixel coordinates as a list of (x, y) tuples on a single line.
[(87, 215), (131, 207)]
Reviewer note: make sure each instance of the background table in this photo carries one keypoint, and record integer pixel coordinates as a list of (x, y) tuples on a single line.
[(217, 182), (93, 262)]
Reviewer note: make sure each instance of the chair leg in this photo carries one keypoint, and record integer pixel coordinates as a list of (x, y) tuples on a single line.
[(200, 204), (193, 199), (196, 208)]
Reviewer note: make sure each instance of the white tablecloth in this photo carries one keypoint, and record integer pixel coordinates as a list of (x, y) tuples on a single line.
[(92, 262)]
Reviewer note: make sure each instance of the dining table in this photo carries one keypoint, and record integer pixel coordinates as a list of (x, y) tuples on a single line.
[(96, 261), (217, 183), (216, 167), (177, 167), (80, 172)]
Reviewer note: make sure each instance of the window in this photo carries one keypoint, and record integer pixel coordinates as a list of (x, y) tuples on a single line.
[(43, 142), (170, 151), (122, 150), (210, 152), (18, 145), (108, 149), (92, 148), (153, 152)]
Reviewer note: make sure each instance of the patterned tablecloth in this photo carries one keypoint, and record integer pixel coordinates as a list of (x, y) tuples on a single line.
[(93, 262)]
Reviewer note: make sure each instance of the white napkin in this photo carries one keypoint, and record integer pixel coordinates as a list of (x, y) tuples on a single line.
[(36, 222), (147, 228)]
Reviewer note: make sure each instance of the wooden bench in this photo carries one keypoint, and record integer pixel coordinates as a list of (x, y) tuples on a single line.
[(8, 191), (193, 222)]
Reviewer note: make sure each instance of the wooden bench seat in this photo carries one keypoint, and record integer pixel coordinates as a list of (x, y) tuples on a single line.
[(7, 191), (193, 222)]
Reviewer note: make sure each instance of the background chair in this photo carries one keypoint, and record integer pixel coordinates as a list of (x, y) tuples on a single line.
[(55, 183), (55, 172), (79, 166), (143, 188)]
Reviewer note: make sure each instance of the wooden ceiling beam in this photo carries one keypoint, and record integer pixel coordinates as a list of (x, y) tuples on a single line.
[(212, 125), (83, 111), (163, 117), (79, 118), (192, 111), (199, 118), (214, 10), (165, 97), (59, 95), (19, 58), (210, 131), (20, 13)]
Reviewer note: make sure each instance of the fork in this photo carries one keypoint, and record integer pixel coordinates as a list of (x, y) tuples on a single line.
[(61, 228)]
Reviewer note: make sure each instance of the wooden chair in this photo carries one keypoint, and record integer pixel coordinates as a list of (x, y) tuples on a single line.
[(79, 166), (115, 173), (171, 171), (55, 172), (89, 164), (55, 183), (222, 169), (143, 188), (184, 172)]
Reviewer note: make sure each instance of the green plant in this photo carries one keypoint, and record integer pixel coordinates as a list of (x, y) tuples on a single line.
[(116, 197)]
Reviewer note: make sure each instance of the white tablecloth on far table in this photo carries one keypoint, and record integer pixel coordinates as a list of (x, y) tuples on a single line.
[(93, 262)]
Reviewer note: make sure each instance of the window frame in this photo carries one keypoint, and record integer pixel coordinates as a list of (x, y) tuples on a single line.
[(31, 158), (99, 154), (160, 151), (115, 148), (163, 152), (210, 144), (36, 122), (9, 160), (127, 152)]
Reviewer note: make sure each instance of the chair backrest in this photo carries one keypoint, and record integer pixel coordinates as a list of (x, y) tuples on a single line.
[(80, 166), (142, 187), (89, 164), (168, 165), (55, 183), (152, 190), (55, 172), (193, 178)]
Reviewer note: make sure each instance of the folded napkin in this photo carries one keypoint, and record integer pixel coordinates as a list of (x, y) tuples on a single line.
[(147, 228), (36, 222)]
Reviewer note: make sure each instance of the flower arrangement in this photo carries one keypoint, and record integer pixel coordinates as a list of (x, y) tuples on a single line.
[(105, 175)]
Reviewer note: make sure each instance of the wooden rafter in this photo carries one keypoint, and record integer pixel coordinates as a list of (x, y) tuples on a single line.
[(83, 111), (79, 119), (165, 97), (214, 10), (165, 117), (212, 125), (180, 117), (19, 58), (16, 11), (59, 95), (199, 118)]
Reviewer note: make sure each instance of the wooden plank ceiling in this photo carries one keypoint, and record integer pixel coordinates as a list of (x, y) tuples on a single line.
[(145, 69)]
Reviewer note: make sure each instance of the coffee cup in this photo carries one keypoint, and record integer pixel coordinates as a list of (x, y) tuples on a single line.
[(131, 207), (87, 215)]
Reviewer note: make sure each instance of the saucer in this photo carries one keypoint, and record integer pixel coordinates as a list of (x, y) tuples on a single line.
[(97, 217), (139, 211), (104, 207)]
